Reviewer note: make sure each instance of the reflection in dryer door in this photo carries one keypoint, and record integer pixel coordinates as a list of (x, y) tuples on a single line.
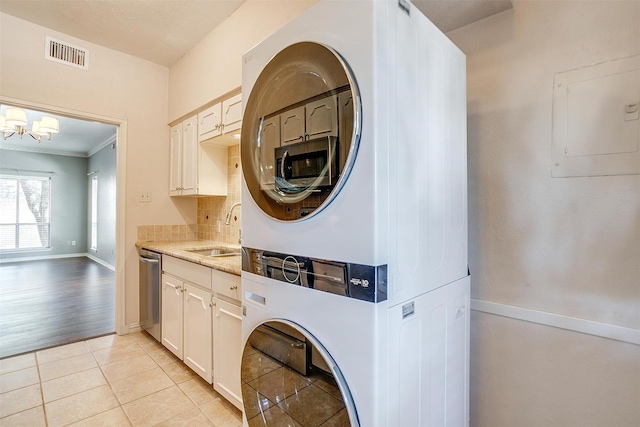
[(330, 277), (274, 394)]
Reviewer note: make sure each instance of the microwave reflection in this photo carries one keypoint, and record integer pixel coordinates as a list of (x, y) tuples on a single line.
[(301, 131), (286, 382)]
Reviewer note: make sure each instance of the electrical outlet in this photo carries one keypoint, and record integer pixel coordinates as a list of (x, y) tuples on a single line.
[(219, 226), (144, 196), (73, 243)]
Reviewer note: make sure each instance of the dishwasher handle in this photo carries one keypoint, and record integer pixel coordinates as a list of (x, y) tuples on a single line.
[(149, 260)]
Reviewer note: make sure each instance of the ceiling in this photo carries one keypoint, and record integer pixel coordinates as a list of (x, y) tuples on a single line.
[(79, 138), (162, 31), (449, 15)]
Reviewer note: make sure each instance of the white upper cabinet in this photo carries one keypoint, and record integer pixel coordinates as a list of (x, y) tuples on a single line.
[(270, 140), (196, 169), (322, 118), (175, 167), (222, 120), (345, 124), (198, 149), (209, 122), (313, 120), (183, 178), (232, 114), (292, 126), (189, 157)]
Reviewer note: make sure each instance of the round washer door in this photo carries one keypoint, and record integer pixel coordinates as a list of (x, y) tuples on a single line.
[(289, 378), (300, 131)]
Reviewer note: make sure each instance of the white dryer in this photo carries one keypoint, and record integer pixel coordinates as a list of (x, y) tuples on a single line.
[(355, 278)]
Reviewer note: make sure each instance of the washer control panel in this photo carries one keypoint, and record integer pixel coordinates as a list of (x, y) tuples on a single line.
[(363, 282)]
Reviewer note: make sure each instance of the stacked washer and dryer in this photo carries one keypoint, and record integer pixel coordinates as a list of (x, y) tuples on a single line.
[(355, 268)]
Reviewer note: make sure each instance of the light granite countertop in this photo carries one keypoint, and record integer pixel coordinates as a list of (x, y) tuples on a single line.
[(229, 264)]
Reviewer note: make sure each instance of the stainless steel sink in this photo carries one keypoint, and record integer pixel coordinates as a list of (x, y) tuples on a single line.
[(216, 252)]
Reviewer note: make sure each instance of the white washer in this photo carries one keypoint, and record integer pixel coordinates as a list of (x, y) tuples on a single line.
[(381, 227)]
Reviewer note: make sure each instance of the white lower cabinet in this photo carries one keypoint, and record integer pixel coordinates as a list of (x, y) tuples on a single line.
[(172, 307), (227, 350), (187, 310), (197, 331), (202, 323)]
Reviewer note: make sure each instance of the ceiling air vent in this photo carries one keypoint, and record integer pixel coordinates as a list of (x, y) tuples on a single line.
[(65, 53)]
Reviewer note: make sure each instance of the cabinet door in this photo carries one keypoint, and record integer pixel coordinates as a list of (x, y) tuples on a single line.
[(292, 126), (228, 351), (198, 330), (172, 314), (209, 122), (189, 156), (232, 113), (322, 118), (175, 168), (269, 141)]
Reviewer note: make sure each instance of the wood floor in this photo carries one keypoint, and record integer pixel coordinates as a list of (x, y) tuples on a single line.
[(51, 302)]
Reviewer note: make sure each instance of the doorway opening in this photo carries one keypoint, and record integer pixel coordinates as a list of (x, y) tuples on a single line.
[(74, 279)]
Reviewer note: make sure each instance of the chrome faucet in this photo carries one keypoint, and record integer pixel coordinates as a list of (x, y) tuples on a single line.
[(227, 220)]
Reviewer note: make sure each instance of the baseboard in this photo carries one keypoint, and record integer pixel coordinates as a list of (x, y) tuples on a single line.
[(76, 255), (135, 327), (101, 262), (575, 324), (37, 258), (127, 329)]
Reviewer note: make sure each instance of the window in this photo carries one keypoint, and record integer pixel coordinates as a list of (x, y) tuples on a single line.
[(24, 212), (94, 213)]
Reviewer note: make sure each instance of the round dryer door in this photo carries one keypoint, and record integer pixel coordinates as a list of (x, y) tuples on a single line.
[(300, 131), (288, 378)]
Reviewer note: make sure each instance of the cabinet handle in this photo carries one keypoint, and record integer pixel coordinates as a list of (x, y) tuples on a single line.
[(212, 304), (233, 288)]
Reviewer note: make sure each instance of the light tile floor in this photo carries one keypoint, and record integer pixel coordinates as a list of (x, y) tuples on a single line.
[(108, 381)]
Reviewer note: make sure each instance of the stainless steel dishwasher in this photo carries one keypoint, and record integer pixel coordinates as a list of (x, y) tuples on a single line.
[(150, 293)]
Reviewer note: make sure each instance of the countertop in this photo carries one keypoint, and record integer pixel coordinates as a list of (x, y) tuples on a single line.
[(230, 264)]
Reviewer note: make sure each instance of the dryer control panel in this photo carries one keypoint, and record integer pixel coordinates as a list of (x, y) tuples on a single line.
[(363, 282)]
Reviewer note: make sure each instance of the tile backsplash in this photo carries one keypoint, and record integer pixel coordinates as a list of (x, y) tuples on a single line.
[(211, 213), (159, 233)]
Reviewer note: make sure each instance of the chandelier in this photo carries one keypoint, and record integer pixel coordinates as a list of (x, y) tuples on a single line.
[(15, 123)]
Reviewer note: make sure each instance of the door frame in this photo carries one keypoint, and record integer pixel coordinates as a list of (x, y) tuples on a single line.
[(121, 170)]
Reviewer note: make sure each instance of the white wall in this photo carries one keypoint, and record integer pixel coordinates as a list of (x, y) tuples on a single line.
[(102, 165), (68, 208), (568, 246), (118, 86), (214, 66)]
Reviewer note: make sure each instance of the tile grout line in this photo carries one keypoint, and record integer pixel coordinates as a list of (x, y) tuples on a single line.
[(109, 384), (44, 408), (150, 349)]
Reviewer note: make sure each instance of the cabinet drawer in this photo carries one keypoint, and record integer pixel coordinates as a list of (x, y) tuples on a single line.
[(187, 271), (226, 284)]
